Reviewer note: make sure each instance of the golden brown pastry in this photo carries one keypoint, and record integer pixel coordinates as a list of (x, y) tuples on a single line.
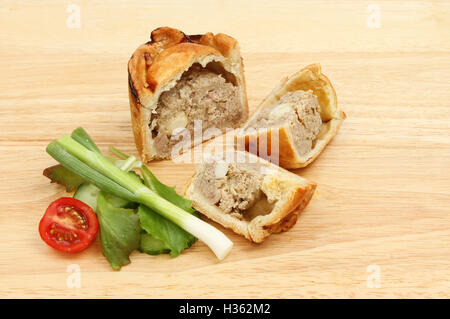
[(175, 79), (248, 195), (296, 121)]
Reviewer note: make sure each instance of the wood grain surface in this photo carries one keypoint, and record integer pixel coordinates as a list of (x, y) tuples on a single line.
[(379, 224)]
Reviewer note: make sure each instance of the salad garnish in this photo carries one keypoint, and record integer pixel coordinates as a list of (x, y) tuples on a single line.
[(133, 212)]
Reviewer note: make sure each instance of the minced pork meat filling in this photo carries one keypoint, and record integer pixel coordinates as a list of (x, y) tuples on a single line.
[(300, 110), (200, 94), (234, 189)]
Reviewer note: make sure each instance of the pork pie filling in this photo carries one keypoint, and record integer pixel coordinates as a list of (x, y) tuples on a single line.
[(236, 189), (300, 110), (206, 94)]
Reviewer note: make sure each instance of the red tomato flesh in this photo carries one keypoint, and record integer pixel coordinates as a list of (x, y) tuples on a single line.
[(68, 225)]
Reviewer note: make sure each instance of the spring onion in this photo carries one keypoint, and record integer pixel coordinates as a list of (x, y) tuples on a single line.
[(96, 169), (82, 137), (118, 153)]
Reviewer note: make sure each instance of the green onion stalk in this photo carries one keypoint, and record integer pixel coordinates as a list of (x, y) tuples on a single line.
[(95, 168)]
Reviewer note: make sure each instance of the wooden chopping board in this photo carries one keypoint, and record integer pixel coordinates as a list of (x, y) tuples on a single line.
[(379, 223)]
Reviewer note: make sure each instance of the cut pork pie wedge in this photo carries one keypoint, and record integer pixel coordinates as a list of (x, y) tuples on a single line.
[(248, 195), (295, 122), (176, 79)]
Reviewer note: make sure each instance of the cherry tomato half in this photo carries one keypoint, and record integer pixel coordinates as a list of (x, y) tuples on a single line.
[(68, 225)]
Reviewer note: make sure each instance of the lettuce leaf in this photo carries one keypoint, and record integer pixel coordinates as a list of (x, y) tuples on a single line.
[(152, 246), (120, 232), (167, 192), (61, 175), (174, 238)]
